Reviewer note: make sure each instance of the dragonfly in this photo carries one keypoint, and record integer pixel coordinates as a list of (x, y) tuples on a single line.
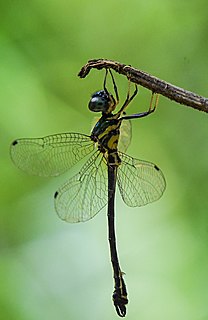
[(93, 187)]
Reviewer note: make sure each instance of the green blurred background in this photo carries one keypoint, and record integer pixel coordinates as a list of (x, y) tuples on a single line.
[(53, 270)]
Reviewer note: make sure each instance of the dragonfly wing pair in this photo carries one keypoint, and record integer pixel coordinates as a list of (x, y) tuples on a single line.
[(85, 194), (82, 196)]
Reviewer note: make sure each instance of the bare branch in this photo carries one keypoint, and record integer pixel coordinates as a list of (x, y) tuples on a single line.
[(150, 82)]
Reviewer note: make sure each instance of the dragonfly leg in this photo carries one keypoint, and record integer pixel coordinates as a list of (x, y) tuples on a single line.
[(152, 107), (128, 98), (114, 87), (116, 99), (104, 82)]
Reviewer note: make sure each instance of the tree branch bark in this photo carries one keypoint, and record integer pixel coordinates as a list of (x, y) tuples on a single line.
[(150, 82)]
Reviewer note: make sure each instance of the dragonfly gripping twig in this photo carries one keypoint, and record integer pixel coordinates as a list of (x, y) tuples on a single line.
[(82, 196), (150, 82)]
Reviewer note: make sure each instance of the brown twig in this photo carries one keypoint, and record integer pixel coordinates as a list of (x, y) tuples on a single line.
[(150, 82)]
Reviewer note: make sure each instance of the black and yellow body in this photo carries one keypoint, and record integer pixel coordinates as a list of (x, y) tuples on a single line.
[(106, 134), (82, 196)]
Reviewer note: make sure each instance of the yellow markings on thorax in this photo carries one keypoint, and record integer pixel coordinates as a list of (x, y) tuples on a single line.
[(113, 142), (109, 129), (107, 132)]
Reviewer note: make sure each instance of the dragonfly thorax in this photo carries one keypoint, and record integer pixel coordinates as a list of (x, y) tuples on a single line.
[(106, 133)]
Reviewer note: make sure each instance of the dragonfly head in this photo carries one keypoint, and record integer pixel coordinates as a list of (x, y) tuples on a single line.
[(102, 101)]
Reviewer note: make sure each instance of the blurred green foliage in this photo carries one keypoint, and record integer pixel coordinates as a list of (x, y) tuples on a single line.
[(53, 270)]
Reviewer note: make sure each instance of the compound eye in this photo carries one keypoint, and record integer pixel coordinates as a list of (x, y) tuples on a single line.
[(99, 102)]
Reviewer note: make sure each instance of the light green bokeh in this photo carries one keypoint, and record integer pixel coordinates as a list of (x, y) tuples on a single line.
[(53, 270)]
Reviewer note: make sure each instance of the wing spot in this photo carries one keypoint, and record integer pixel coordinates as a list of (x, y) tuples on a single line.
[(56, 194), (156, 167), (14, 143)]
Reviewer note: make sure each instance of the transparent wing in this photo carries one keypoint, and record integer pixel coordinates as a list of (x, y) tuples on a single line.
[(85, 194), (140, 182), (125, 135), (51, 155)]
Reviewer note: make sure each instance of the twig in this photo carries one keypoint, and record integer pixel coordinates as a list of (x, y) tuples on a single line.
[(150, 82)]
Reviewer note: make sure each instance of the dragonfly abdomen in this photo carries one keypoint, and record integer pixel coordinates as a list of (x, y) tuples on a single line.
[(113, 159)]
